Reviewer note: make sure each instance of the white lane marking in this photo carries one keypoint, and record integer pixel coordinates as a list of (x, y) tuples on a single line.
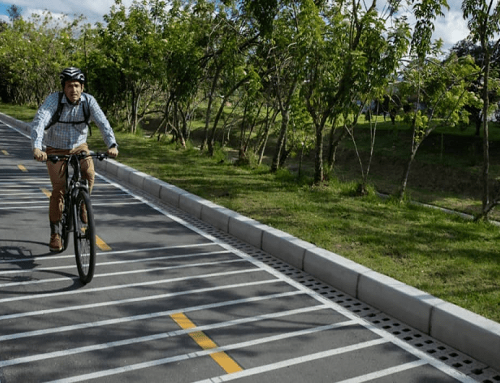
[(20, 198), (24, 183), (108, 253), (16, 129), (134, 300), (178, 358), (295, 361), (160, 336), (385, 372), (114, 263), (93, 205), (125, 286), (104, 275), (117, 273), (23, 195), (153, 315), (25, 207), (23, 203)]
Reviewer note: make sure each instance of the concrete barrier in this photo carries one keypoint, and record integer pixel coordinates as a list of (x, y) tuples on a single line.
[(461, 329), (247, 229)]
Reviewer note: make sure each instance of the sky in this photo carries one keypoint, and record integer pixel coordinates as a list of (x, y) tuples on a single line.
[(451, 28)]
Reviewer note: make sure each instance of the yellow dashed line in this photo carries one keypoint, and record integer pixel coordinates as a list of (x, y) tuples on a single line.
[(101, 244), (98, 241), (22, 168), (224, 360)]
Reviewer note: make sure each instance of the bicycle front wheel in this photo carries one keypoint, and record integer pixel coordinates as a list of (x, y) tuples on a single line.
[(84, 236)]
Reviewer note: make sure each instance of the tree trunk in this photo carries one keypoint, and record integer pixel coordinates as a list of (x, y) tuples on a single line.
[(246, 142), (285, 117), (209, 106), (242, 151), (486, 144), (262, 146), (177, 125), (334, 142), (135, 110), (318, 160), (211, 138), (406, 174)]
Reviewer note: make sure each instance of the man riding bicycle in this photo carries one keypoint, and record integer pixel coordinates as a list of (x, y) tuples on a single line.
[(61, 124)]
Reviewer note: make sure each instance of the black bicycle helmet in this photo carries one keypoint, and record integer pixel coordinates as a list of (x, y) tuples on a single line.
[(72, 74)]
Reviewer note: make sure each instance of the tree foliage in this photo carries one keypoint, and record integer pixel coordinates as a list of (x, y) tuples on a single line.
[(299, 71), (32, 53), (483, 19)]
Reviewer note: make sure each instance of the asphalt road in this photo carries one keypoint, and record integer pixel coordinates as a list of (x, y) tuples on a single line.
[(171, 301)]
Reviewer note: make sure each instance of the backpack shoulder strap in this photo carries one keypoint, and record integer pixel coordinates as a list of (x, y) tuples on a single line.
[(57, 115), (86, 113)]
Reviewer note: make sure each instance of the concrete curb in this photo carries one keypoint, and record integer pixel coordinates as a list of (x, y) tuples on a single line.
[(459, 328)]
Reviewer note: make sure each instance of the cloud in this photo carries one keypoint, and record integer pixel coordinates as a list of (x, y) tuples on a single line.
[(92, 10), (452, 28)]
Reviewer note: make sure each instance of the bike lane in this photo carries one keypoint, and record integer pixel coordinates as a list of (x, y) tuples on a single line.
[(174, 300)]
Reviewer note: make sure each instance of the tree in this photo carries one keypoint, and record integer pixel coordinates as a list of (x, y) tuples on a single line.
[(32, 54), (183, 30), (233, 66), (484, 23), (467, 47), (382, 49), (435, 89), (421, 48), (284, 50), (323, 89), (14, 12), (127, 60), (352, 55), (3, 26)]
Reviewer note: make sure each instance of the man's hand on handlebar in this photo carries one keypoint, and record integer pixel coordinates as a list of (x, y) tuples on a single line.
[(39, 155), (113, 152)]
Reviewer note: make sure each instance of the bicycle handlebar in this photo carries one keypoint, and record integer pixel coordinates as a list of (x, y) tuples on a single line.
[(80, 156)]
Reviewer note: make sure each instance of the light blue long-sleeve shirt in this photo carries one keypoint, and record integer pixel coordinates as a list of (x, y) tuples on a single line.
[(68, 136)]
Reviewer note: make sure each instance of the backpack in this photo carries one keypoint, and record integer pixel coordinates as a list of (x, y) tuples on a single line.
[(57, 115)]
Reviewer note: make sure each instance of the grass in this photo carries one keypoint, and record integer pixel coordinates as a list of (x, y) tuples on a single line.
[(452, 258), (22, 113)]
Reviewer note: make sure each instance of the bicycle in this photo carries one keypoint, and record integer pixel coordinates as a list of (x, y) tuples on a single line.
[(78, 216)]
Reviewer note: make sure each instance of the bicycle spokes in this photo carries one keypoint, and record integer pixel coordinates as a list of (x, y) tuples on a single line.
[(84, 236)]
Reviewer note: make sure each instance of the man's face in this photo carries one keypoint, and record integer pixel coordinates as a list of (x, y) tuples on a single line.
[(73, 90)]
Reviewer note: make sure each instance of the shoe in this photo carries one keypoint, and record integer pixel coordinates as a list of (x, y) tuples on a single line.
[(55, 244), (83, 214)]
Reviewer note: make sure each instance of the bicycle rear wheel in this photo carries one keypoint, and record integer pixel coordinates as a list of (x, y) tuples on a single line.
[(84, 236)]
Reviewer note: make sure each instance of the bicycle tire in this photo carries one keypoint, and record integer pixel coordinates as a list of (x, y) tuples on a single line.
[(64, 234), (65, 226), (84, 237)]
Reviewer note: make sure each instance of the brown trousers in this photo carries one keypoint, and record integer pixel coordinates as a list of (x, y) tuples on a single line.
[(57, 178)]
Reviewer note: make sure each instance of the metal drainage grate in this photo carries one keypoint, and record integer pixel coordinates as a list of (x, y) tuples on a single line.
[(451, 357)]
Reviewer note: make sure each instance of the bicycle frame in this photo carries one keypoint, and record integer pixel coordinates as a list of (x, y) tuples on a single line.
[(77, 205), (73, 185)]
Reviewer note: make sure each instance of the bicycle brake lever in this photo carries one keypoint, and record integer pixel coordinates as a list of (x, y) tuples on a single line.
[(101, 156)]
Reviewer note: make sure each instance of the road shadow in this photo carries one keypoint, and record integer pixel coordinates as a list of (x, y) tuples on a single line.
[(20, 261)]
